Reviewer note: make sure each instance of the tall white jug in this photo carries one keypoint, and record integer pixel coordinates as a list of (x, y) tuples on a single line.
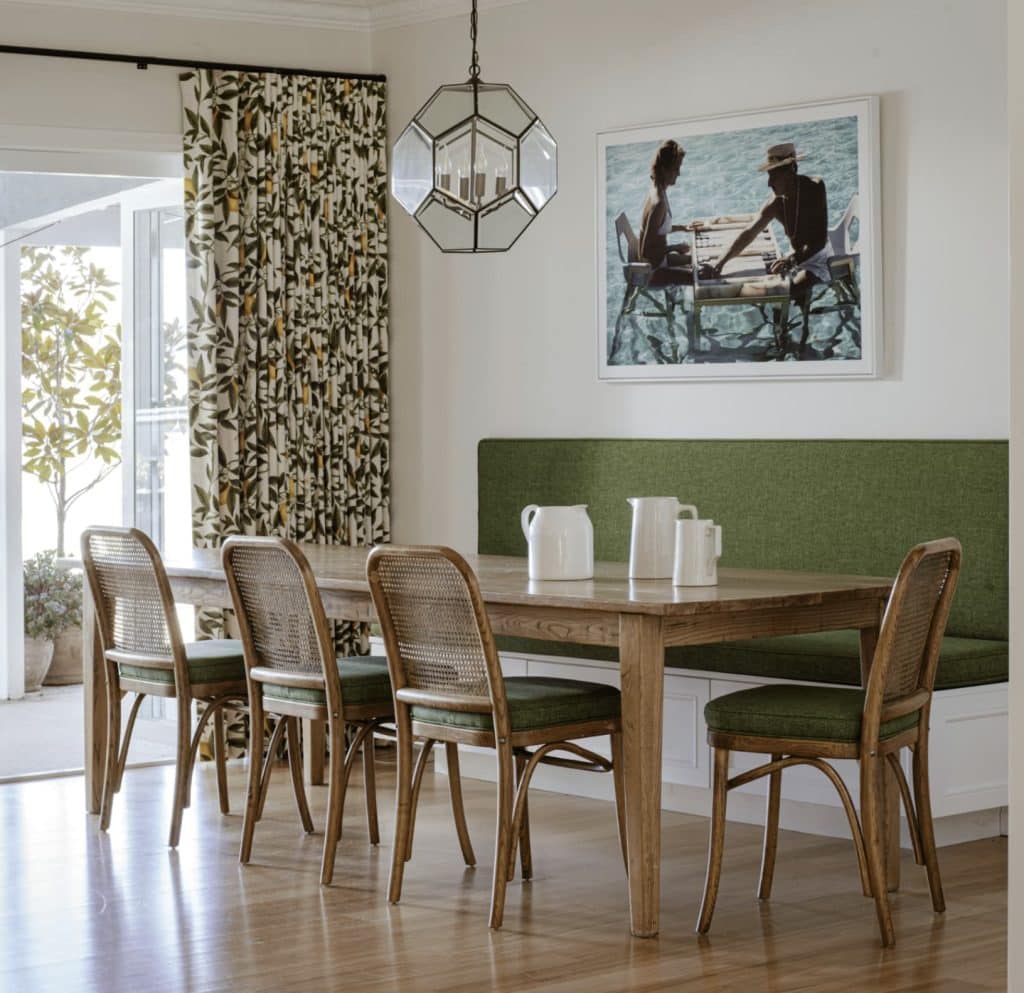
[(651, 543)]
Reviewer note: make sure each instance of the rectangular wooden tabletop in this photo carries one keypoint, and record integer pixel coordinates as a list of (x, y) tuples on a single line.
[(504, 580)]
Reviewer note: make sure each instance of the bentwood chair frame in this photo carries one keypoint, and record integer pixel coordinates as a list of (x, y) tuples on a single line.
[(287, 642), (442, 654), (899, 683), (138, 627)]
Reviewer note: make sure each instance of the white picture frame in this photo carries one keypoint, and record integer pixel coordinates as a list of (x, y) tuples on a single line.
[(743, 323)]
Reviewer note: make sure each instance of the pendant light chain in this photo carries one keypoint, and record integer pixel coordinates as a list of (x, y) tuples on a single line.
[(474, 68)]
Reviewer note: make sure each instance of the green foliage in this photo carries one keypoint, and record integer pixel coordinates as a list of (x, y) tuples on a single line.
[(53, 597), (71, 373)]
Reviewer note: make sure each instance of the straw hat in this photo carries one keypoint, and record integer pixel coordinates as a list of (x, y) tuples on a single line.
[(780, 155)]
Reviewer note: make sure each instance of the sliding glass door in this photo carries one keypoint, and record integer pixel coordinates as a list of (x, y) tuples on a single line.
[(156, 488)]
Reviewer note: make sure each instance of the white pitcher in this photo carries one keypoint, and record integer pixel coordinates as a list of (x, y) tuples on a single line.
[(560, 542), (651, 540), (698, 548)]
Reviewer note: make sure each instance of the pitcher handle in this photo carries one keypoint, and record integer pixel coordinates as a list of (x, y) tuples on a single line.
[(718, 541), (683, 507), (524, 519)]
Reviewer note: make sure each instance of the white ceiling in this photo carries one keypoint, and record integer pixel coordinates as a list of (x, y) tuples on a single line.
[(358, 15)]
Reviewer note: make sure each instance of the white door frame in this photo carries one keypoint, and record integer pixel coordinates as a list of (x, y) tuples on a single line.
[(12, 641), (12, 644)]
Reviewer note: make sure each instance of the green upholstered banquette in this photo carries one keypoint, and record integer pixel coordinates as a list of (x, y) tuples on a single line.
[(822, 506)]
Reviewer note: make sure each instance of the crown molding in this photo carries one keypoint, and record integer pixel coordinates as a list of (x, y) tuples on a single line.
[(355, 15)]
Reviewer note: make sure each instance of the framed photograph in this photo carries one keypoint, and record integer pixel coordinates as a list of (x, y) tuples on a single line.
[(741, 247)]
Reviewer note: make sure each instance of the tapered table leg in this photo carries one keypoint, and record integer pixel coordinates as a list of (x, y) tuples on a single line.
[(314, 747), (94, 696), (889, 799), (642, 661)]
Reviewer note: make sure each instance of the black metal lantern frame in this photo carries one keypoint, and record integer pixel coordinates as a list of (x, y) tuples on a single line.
[(475, 165)]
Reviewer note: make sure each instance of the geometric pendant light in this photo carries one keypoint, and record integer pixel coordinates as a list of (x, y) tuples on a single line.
[(475, 165)]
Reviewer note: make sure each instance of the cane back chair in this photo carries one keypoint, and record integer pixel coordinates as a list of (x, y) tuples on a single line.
[(805, 725), (143, 653), (448, 686), (294, 673)]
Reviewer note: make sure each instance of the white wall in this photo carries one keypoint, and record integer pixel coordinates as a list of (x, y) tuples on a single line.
[(144, 107), (1016, 875), (506, 345)]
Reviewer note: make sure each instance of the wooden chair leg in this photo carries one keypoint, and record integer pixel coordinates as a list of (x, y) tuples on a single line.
[(523, 841), (182, 766), (417, 782), (370, 788), (716, 843), (451, 750), (618, 766), (110, 777), (913, 827), (771, 832), (295, 765), (254, 787), (122, 759), (871, 785), (220, 757), (403, 808), (503, 836), (267, 768), (337, 786), (922, 791)]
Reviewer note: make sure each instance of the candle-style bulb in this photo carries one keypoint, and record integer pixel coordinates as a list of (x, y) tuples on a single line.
[(480, 173), (444, 170)]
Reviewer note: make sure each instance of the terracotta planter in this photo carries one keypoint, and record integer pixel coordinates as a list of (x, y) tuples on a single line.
[(66, 668), (38, 656)]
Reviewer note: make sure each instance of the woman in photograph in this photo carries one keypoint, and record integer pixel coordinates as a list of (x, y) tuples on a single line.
[(656, 224)]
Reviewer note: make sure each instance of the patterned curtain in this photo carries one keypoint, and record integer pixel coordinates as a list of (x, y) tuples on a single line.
[(286, 230)]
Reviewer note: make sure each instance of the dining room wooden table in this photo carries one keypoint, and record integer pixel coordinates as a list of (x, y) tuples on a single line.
[(641, 618)]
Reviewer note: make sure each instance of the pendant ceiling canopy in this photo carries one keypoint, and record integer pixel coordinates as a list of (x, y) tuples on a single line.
[(475, 165)]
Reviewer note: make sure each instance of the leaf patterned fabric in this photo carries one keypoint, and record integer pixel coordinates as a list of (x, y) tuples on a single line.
[(286, 232)]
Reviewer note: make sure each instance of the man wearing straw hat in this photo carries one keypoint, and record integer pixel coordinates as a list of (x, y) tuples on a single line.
[(800, 205)]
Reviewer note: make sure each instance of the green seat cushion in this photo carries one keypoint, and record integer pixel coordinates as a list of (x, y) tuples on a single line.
[(364, 679), (829, 657), (822, 713), (216, 660), (834, 657), (537, 702)]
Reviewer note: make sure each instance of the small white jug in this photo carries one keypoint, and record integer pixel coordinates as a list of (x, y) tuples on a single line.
[(650, 543), (560, 542), (698, 549)]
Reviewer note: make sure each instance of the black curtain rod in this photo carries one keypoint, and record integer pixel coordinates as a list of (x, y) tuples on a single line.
[(145, 61)]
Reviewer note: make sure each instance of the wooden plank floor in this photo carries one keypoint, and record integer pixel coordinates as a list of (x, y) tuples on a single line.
[(120, 913)]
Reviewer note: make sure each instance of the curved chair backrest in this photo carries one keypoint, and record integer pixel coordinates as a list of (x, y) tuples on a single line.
[(907, 654), (441, 652), (129, 586), (281, 617), (839, 237), (624, 232)]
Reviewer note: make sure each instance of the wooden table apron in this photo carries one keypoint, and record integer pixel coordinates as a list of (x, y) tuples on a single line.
[(641, 619)]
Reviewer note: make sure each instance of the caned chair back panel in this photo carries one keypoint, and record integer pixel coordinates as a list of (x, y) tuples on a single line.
[(435, 623), (915, 620), (280, 614), (131, 592)]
